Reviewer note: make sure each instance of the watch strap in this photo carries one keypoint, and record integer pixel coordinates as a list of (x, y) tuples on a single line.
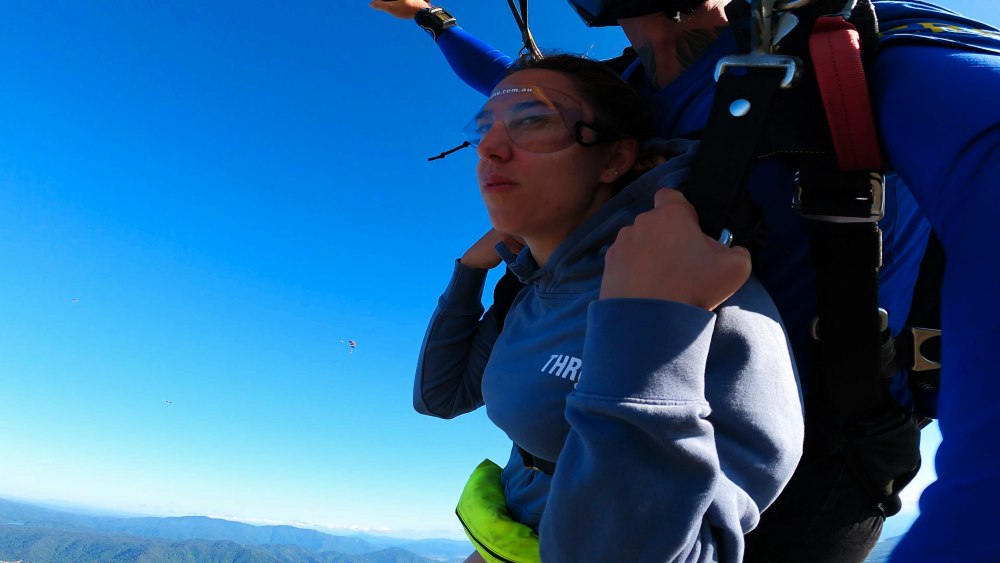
[(434, 20)]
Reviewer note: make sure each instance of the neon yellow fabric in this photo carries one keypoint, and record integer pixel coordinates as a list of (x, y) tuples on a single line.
[(483, 513)]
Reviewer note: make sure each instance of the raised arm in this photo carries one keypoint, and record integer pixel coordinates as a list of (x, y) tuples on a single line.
[(459, 338), (479, 65)]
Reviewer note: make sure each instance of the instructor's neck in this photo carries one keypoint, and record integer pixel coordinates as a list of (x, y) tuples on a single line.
[(668, 47)]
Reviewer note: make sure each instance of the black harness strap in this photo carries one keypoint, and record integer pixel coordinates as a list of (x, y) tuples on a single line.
[(504, 294), (720, 169), (529, 49), (878, 440), (536, 463), (847, 258)]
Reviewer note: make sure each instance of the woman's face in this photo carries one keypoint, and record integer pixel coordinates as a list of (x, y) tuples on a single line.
[(530, 194)]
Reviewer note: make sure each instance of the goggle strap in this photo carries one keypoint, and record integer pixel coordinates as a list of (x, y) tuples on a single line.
[(446, 153), (579, 135)]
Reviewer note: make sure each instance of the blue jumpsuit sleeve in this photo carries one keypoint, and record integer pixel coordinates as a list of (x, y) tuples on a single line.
[(938, 110), (456, 349), (479, 65), (685, 425)]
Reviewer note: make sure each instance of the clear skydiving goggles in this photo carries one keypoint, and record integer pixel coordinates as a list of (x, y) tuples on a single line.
[(539, 120)]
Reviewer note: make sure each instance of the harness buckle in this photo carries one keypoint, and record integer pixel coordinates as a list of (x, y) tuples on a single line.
[(839, 211), (791, 65), (761, 48), (921, 335)]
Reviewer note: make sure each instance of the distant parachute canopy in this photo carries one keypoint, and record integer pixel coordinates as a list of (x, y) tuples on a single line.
[(168, 403), (75, 300), (352, 343)]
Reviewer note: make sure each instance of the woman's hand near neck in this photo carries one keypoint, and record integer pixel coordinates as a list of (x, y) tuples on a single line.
[(668, 47)]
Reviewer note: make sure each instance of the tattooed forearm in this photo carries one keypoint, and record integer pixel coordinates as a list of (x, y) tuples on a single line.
[(648, 58), (692, 43)]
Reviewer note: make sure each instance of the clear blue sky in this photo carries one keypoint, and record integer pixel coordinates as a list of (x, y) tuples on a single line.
[(230, 189)]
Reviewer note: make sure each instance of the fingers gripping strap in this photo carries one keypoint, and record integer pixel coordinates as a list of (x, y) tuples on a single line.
[(836, 54)]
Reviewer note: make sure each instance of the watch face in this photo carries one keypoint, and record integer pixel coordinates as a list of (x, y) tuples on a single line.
[(442, 16)]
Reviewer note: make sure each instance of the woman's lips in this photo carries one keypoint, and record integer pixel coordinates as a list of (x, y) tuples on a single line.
[(497, 183)]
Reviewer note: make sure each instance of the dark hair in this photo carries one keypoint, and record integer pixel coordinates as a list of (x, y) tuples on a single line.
[(619, 110)]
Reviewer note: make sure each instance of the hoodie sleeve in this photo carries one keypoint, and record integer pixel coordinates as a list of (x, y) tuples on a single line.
[(683, 428), (456, 348)]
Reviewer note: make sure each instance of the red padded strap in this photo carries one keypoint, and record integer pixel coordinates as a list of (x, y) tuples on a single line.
[(836, 54)]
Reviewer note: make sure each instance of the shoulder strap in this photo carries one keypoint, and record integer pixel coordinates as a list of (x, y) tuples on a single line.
[(777, 106), (529, 49), (504, 294), (811, 104)]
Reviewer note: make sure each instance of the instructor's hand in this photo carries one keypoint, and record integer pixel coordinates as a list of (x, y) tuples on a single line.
[(664, 255), (402, 9), (483, 255)]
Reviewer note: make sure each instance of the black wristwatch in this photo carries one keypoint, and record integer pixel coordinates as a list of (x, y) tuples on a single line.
[(434, 20)]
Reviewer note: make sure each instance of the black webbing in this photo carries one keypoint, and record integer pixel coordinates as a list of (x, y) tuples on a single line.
[(504, 294), (864, 19), (536, 463), (728, 145), (521, 19), (521, 25), (847, 258)]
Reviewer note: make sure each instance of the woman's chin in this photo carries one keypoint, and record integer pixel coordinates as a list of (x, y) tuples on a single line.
[(508, 224)]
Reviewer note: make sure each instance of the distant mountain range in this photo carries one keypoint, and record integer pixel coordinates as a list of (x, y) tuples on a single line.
[(37, 545), (82, 537), (883, 550)]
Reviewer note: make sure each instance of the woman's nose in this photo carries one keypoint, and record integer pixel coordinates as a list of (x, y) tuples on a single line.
[(496, 143)]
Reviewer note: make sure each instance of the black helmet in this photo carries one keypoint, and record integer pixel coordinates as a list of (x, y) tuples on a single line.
[(602, 13)]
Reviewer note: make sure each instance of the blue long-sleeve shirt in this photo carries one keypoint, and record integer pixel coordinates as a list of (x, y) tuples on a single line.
[(936, 94), (672, 426)]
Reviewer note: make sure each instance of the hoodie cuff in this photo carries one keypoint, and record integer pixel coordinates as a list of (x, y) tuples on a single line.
[(465, 290), (647, 349)]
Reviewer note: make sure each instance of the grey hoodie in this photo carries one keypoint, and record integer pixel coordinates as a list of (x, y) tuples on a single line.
[(672, 426)]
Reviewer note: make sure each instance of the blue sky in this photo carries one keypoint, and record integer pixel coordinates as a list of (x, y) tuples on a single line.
[(230, 190)]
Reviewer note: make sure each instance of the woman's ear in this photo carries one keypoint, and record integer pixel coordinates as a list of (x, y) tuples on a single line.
[(621, 159)]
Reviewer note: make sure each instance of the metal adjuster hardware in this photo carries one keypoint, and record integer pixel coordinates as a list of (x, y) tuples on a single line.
[(921, 335), (791, 65), (883, 324), (789, 5), (726, 237), (761, 48), (875, 213)]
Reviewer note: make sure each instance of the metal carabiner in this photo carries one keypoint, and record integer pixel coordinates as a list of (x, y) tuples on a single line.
[(761, 48)]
